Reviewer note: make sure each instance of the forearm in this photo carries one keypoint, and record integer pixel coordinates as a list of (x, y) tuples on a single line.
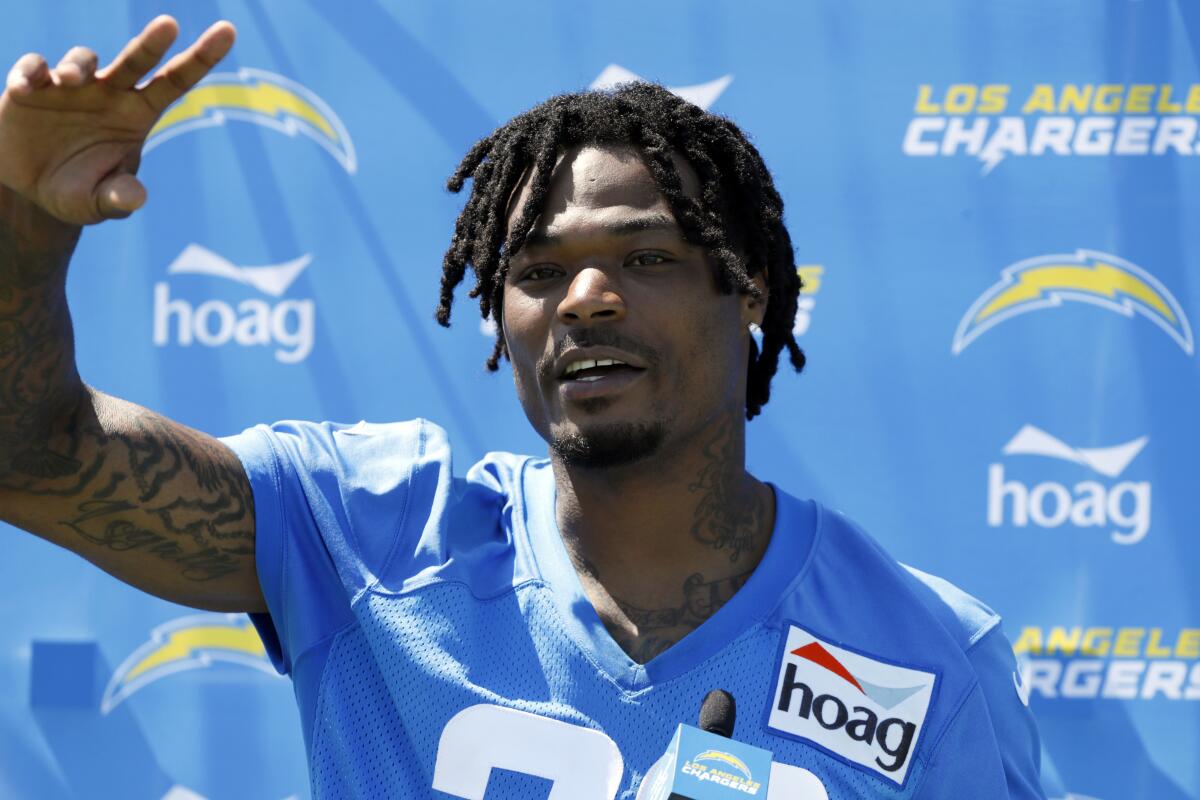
[(39, 382)]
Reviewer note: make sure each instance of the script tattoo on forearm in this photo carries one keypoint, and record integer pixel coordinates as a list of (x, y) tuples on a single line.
[(660, 628), (124, 498), (124, 479), (722, 519), (120, 535)]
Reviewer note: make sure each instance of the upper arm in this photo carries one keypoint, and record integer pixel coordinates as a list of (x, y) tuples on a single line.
[(991, 747), (161, 506), (1008, 708)]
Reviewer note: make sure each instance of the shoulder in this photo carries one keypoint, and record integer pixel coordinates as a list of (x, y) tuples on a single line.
[(367, 488), (342, 446), (966, 617), (927, 601)]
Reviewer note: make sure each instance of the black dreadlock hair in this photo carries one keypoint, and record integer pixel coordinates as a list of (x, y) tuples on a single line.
[(738, 217)]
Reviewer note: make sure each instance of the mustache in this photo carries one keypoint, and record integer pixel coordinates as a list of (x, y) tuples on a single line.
[(596, 337)]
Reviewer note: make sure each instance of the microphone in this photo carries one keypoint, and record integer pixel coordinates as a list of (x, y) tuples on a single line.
[(718, 712), (705, 763)]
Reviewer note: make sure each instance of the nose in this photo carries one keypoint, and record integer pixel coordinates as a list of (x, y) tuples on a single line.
[(591, 298)]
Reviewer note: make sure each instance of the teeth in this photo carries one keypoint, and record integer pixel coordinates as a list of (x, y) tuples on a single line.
[(588, 363)]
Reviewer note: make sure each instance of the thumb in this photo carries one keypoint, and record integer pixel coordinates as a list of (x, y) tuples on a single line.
[(118, 196)]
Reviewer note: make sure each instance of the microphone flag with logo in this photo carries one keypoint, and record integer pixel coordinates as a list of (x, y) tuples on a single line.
[(705, 764)]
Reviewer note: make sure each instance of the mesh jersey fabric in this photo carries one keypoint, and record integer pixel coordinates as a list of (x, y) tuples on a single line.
[(441, 645)]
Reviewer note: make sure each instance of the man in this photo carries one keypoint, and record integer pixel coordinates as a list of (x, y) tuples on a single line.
[(541, 620)]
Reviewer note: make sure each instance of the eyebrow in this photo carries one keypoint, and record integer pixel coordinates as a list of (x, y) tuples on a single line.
[(654, 222)]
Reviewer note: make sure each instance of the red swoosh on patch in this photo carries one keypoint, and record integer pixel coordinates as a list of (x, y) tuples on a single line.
[(819, 655)]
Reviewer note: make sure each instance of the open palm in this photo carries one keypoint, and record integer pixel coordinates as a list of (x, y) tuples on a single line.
[(71, 137)]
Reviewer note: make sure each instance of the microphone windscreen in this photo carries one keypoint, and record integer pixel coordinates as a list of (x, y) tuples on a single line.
[(717, 713)]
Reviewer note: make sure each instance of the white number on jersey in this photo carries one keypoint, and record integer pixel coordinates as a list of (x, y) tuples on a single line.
[(584, 764)]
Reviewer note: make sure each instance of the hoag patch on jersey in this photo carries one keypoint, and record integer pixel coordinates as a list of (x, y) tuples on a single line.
[(865, 711)]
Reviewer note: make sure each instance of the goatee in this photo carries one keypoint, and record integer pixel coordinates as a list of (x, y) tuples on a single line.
[(606, 446)]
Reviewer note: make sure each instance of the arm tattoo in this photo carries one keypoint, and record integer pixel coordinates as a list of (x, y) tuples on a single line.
[(37, 358), (119, 478)]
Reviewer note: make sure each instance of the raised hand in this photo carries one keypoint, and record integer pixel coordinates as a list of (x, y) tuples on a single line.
[(71, 137)]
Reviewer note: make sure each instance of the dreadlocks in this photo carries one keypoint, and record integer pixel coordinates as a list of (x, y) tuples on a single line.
[(738, 217)]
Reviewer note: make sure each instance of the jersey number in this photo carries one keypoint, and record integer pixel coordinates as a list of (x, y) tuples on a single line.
[(582, 763)]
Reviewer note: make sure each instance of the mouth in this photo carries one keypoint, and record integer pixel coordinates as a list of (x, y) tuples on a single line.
[(590, 370), (587, 378)]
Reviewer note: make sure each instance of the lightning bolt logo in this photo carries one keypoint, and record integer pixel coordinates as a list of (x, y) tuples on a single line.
[(192, 642), (1086, 276), (725, 758), (262, 98)]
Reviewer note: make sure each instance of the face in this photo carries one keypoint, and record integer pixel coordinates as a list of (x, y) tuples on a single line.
[(620, 342)]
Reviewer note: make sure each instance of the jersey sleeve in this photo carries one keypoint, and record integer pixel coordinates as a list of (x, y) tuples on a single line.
[(991, 749), (331, 502)]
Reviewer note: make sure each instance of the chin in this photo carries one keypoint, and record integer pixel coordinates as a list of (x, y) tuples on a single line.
[(606, 445)]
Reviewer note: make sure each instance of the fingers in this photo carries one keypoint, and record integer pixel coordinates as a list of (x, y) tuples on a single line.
[(77, 67), (187, 68), (119, 196), (142, 54), (29, 73)]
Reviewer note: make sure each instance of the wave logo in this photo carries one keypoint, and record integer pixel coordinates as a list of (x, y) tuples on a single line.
[(1086, 504), (261, 98), (1087, 276), (192, 642), (289, 324), (886, 696), (864, 710), (700, 94)]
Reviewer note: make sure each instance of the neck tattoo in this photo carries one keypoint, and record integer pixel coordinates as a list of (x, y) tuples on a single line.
[(725, 519)]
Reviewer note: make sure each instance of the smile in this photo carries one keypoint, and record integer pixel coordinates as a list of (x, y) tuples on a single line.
[(587, 378)]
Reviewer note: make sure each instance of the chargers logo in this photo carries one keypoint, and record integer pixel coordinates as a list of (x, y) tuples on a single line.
[(192, 642), (1086, 276), (1074, 662), (719, 774), (700, 94), (866, 711), (810, 285), (728, 759), (262, 98)]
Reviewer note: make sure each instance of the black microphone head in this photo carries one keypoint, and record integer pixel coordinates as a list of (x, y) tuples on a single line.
[(717, 713)]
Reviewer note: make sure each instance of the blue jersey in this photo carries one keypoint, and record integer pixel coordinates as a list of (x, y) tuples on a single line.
[(441, 644)]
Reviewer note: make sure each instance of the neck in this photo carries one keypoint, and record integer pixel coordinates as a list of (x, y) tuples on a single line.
[(693, 514)]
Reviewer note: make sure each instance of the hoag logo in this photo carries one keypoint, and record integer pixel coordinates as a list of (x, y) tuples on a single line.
[(287, 325), (866, 711), (1123, 506)]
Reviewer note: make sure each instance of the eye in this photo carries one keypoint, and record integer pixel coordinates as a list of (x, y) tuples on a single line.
[(646, 258), (539, 272)]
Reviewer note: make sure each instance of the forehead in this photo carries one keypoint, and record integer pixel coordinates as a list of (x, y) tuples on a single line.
[(600, 181)]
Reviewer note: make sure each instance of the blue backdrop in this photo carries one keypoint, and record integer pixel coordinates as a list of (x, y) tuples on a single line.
[(990, 204)]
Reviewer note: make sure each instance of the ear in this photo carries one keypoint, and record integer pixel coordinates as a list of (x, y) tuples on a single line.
[(755, 308)]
